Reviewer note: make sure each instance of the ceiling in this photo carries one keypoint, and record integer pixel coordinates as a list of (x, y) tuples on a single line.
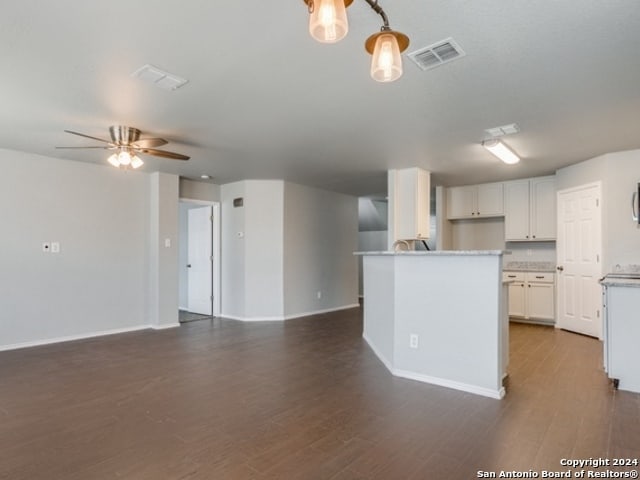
[(264, 100)]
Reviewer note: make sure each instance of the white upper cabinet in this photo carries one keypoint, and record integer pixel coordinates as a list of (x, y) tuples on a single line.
[(475, 201), (530, 209), (409, 203)]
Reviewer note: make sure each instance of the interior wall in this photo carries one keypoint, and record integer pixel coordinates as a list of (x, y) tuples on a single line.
[(478, 234), (320, 237), (621, 235), (194, 190), (232, 251), (98, 281), (264, 245), (369, 242), (163, 251)]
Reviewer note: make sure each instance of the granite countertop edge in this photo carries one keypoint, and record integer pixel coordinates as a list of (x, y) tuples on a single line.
[(621, 282), (422, 253)]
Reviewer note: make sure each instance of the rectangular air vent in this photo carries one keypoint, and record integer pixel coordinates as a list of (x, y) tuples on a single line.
[(437, 54), (159, 78), (503, 130)]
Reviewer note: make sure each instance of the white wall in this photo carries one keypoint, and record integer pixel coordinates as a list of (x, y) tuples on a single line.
[(320, 236), (263, 242), (233, 251), (478, 234), (192, 190), (163, 249), (619, 173), (98, 281), (369, 242)]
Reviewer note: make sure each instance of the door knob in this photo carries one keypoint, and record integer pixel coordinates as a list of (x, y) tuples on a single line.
[(188, 265)]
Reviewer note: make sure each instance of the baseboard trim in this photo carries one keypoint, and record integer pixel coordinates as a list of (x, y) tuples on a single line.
[(281, 318), (71, 338), (441, 382), (164, 327), (318, 312), (465, 387), (381, 357)]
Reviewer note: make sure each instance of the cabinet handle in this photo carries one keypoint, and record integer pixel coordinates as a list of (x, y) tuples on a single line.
[(534, 236), (539, 276), (527, 236), (529, 285), (511, 276)]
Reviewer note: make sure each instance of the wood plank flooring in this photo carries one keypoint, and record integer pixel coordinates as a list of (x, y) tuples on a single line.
[(304, 399)]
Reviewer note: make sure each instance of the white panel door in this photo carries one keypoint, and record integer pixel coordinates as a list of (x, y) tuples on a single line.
[(579, 268), (199, 263)]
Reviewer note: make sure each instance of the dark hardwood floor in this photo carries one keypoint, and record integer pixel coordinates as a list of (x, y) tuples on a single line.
[(304, 399)]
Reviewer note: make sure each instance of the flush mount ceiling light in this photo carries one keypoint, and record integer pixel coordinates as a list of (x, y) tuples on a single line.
[(500, 150), (125, 158), (328, 24)]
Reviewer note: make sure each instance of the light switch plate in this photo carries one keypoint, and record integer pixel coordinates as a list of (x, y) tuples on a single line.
[(55, 247)]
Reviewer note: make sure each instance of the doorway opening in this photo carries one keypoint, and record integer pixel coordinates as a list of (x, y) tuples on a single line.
[(199, 260)]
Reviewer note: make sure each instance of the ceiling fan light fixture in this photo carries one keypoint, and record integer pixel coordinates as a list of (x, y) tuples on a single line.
[(500, 150), (328, 19), (124, 157), (113, 160), (136, 162), (385, 48)]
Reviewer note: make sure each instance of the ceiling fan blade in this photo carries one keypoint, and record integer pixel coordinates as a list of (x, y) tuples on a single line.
[(149, 142), (162, 153), (88, 136), (71, 148)]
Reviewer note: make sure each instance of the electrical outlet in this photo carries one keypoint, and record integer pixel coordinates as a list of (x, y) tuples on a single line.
[(413, 340), (319, 294)]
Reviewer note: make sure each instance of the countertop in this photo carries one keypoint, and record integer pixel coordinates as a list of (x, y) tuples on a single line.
[(425, 253), (620, 282), (546, 267)]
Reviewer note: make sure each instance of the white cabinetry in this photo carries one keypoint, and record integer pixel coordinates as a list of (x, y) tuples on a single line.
[(409, 203), (531, 296), (622, 334), (530, 209), (474, 201)]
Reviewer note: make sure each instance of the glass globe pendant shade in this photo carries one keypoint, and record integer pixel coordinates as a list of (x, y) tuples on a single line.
[(136, 162), (386, 64), (328, 20), (124, 158), (113, 160)]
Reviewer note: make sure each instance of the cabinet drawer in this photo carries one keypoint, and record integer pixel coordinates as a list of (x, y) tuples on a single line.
[(514, 276), (540, 277)]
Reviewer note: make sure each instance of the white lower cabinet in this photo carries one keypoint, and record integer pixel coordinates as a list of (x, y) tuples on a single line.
[(531, 296)]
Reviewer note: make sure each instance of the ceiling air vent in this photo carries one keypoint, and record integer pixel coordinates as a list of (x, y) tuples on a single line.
[(437, 54)]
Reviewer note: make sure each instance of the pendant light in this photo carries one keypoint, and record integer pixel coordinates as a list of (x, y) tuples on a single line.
[(328, 19), (328, 24), (385, 48)]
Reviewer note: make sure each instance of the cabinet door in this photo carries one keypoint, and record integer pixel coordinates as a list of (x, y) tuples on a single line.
[(541, 300), (461, 202), (543, 208), (490, 200), (517, 307), (516, 210)]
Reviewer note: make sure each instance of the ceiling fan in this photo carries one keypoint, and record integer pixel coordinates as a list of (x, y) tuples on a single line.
[(127, 144)]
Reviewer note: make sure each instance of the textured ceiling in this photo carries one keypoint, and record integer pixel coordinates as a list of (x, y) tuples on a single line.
[(264, 100)]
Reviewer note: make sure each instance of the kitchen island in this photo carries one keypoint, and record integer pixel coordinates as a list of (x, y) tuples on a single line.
[(439, 317)]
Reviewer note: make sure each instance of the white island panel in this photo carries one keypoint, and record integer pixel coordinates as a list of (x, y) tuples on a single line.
[(453, 303)]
